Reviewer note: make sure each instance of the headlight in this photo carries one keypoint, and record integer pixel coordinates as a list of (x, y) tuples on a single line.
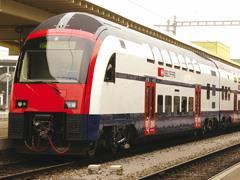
[(70, 104), (21, 104)]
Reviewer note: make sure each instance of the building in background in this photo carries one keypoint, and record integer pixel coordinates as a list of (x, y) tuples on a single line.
[(217, 48), (236, 60)]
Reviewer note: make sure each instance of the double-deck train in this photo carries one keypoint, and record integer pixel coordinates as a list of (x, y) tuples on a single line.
[(84, 82)]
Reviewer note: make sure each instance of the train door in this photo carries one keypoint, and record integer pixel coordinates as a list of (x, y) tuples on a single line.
[(149, 115), (235, 118), (197, 110)]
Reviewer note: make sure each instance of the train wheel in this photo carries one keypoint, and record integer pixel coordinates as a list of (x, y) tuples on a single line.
[(224, 123), (229, 122), (112, 144), (215, 124), (197, 133), (114, 147), (205, 128), (112, 137), (131, 135), (210, 125), (92, 151)]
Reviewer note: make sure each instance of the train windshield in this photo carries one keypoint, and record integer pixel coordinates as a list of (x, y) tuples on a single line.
[(55, 59)]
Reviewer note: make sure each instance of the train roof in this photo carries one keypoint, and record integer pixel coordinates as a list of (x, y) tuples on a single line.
[(92, 23)]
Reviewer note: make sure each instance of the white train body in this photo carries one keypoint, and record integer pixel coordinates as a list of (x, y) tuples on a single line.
[(138, 62), (85, 81)]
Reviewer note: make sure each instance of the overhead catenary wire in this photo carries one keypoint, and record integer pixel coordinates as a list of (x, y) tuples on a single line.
[(147, 9)]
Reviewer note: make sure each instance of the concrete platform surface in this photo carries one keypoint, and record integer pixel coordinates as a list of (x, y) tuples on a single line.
[(5, 144), (3, 129), (3, 115), (232, 173)]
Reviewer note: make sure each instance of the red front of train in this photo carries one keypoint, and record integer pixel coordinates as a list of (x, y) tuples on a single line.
[(51, 91)]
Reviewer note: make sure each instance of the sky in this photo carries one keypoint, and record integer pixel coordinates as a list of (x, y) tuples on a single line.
[(152, 12)]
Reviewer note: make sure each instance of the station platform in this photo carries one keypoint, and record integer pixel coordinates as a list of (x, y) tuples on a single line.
[(4, 142), (3, 115), (3, 129), (232, 173)]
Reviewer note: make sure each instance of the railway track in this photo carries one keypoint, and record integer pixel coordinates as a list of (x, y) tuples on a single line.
[(29, 169), (202, 167), (26, 169), (21, 170)]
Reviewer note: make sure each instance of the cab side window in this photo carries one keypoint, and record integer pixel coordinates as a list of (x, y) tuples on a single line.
[(110, 70)]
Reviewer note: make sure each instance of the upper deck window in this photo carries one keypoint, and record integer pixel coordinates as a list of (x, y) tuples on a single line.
[(148, 53), (166, 57), (213, 73), (189, 64), (122, 43), (235, 78), (175, 60), (196, 66), (182, 62), (57, 59), (157, 55)]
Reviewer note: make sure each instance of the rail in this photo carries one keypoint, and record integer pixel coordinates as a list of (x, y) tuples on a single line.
[(188, 163)]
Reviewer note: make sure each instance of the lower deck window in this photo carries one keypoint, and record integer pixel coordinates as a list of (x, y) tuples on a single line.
[(160, 104), (184, 104), (190, 104), (168, 104), (176, 105)]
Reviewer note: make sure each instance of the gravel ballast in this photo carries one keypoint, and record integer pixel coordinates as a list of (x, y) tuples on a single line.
[(140, 165)]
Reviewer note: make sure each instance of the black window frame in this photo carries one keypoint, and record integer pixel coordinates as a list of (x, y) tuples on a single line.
[(213, 90), (112, 73), (122, 43), (226, 93), (229, 94), (168, 105), (160, 104), (238, 105), (213, 73), (184, 106), (208, 91), (190, 104), (222, 92), (213, 105), (176, 105)]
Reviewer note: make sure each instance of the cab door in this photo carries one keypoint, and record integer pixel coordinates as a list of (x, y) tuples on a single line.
[(149, 115), (197, 109)]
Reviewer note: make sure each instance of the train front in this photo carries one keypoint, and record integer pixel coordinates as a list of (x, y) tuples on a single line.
[(49, 102)]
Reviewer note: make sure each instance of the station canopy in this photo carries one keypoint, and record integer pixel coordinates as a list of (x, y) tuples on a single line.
[(19, 17)]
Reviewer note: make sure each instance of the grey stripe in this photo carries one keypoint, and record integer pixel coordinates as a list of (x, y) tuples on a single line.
[(161, 81)]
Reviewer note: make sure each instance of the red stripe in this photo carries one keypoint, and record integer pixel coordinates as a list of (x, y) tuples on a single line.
[(90, 76), (61, 32)]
